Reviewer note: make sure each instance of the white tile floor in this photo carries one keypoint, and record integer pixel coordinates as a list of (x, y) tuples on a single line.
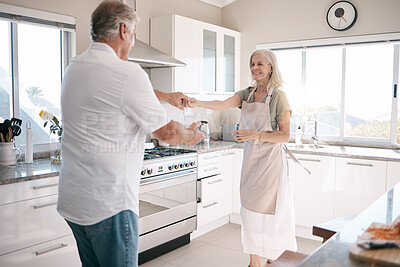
[(218, 248)]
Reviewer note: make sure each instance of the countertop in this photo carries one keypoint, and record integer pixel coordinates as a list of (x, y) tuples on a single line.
[(44, 168), (335, 252)]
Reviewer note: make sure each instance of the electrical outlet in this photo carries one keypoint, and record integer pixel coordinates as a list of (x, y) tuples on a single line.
[(187, 111)]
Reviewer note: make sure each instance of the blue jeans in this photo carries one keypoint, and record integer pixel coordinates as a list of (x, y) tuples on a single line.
[(111, 242)]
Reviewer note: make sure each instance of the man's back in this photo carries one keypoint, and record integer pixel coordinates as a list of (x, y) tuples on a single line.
[(108, 105)]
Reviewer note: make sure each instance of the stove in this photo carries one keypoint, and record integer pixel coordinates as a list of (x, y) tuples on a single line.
[(163, 160), (167, 200)]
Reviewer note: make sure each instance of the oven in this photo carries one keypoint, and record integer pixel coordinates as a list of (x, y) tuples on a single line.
[(167, 201)]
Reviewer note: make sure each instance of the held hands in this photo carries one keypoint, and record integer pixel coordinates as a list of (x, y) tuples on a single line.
[(193, 103), (243, 135), (178, 100), (182, 101)]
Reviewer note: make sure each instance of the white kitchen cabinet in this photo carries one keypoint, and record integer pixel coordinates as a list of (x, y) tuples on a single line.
[(214, 180), (60, 252), (313, 193), (358, 184), (211, 52), (30, 222), (392, 174), (237, 170)]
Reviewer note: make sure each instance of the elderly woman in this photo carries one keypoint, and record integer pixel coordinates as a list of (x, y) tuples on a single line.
[(267, 212)]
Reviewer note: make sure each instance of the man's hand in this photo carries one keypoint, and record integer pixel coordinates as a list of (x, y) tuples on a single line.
[(178, 100), (197, 136)]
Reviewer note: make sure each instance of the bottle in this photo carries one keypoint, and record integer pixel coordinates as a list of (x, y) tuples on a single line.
[(299, 135), (28, 144)]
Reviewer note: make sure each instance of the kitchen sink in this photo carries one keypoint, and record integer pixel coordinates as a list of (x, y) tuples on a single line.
[(305, 146)]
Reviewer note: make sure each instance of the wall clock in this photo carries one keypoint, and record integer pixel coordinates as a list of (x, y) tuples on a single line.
[(341, 15)]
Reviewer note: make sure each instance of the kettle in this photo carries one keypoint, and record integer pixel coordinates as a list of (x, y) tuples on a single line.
[(205, 131)]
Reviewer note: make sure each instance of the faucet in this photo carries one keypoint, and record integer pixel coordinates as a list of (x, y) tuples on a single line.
[(313, 117)]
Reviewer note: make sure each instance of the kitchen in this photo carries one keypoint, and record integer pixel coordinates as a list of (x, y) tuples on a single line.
[(278, 21)]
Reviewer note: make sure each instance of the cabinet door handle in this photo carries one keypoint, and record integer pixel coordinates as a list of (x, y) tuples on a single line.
[(44, 186), (211, 157), (212, 204), (211, 169), (312, 160), (47, 250), (44, 205), (229, 153), (360, 164), (214, 182)]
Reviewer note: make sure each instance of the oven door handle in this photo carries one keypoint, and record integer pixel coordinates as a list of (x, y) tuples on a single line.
[(167, 177)]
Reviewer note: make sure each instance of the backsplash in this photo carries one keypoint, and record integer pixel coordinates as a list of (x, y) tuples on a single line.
[(214, 118)]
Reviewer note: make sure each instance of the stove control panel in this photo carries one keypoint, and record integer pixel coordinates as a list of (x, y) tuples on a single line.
[(159, 167)]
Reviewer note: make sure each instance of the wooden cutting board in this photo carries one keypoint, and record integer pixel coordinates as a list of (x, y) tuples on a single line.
[(383, 257)]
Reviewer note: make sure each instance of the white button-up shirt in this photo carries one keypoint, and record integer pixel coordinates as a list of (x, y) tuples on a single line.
[(108, 106)]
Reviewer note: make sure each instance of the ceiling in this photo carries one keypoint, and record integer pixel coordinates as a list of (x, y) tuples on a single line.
[(218, 3)]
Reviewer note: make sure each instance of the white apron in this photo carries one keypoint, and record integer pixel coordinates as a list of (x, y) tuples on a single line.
[(267, 213)]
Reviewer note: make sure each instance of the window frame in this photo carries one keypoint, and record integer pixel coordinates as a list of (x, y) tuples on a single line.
[(66, 24), (344, 42)]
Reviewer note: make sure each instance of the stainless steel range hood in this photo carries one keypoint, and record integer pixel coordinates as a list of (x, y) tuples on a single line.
[(149, 57)]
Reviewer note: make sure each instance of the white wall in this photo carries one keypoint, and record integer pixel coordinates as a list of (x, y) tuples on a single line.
[(265, 21), (82, 9)]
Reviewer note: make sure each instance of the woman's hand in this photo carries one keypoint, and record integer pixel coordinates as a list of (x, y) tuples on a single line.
[(243, 135), (193, 103)]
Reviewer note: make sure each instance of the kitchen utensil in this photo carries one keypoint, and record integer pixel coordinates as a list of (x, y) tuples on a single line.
[(16, 130), (3, 132), (205, 130), (15, 121), (9, 134)]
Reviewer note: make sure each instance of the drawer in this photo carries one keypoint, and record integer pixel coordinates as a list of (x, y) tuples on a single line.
[(208, 170), (61, 252), (10, 193), (212, 190), (208, 158), (27, 223)]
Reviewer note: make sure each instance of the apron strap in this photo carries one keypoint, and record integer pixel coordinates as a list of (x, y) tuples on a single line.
[(267, 100), (294, 158)]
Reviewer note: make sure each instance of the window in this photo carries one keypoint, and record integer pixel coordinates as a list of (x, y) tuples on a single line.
[(347, 84), (5, 71), (33, 54)]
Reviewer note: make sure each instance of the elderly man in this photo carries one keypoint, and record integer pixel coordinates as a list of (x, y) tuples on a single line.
[(108, 105)]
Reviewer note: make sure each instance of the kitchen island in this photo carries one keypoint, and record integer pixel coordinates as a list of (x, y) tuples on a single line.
[(335, 252)]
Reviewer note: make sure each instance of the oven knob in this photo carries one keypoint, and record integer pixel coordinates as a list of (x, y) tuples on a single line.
[(192, 163), (143, 172), (149, 171), (170, 167), (187, 164), (176, 166), (181, 165)]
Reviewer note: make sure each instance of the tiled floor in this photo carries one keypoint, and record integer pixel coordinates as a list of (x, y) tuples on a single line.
[(219, 248)]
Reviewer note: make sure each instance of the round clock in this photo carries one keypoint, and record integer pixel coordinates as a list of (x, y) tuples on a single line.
[(341, 15)]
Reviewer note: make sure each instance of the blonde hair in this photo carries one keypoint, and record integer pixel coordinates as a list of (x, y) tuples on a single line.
[(275, 80), (107, 18)]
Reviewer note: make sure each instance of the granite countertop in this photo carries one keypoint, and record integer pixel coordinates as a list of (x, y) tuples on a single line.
[(335, 252), (44, 168), (22, 172)]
